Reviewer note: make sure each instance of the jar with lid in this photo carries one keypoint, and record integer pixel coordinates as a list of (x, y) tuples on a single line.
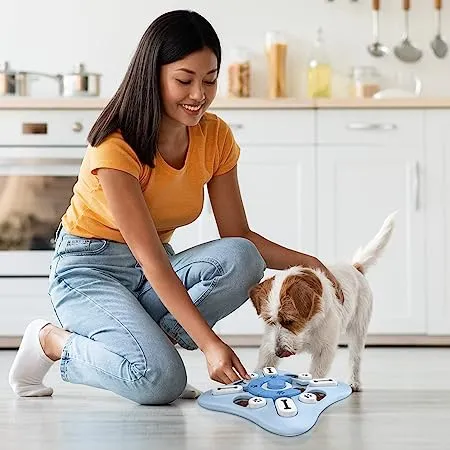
[(239, 73), (276, 54), (365, 82)]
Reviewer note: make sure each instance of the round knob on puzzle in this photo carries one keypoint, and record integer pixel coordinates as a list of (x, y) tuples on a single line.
[(307, 397), (305, 376), (257, 402), (276, 383)]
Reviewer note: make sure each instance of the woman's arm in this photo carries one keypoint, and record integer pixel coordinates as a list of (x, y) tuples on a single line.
[(127, 205), (231, 219)]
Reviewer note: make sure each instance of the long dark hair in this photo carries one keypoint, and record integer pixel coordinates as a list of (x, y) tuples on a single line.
[(136, 108)]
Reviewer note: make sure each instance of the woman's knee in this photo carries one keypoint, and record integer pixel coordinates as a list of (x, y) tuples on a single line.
[(160, 383), (245, 258)]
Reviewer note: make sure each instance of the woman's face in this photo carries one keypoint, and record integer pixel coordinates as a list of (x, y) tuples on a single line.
[(188, 86)]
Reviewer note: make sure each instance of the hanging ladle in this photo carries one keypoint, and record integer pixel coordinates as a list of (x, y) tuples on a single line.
[(405, 51), (376, 48), (438, 45)]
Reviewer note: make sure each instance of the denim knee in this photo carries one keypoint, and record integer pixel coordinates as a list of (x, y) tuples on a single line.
[(160, 384), (245, 258)]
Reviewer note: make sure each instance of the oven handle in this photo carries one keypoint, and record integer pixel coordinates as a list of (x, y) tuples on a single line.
[(26, 162)]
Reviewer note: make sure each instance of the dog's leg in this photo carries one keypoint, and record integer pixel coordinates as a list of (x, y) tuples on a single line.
[(357, 333), (267, 357), (355, 347), (322, 359)]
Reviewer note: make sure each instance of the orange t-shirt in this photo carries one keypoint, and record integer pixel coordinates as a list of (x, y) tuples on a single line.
[(174, 197)]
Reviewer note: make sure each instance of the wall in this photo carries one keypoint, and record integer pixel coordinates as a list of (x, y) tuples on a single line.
[(52, 36)]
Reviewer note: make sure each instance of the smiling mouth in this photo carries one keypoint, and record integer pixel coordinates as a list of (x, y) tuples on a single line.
[(193, 108)]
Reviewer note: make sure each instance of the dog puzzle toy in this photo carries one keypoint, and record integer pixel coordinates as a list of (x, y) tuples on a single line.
[(281, 402)]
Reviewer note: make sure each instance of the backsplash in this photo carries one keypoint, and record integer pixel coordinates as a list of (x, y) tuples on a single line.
[(39, 36)]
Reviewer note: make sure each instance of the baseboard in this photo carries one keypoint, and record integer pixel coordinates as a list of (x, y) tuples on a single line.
[(374, 340), (254, 340)]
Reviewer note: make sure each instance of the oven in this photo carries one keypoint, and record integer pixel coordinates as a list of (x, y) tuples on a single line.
[(40, 156)]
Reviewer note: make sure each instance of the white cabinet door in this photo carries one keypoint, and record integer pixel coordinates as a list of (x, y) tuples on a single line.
[(358, 186), (278, 190), (437, 140)]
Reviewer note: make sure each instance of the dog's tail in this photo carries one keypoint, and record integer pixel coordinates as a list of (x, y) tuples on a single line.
[(367, 256)]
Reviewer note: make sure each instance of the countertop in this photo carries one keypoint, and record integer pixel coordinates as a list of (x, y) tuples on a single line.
[(7, 103)]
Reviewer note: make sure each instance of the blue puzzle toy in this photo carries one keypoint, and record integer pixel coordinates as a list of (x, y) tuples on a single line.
[(280, 402)]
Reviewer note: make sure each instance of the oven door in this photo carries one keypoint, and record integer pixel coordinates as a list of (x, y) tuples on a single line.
[(36, 185)]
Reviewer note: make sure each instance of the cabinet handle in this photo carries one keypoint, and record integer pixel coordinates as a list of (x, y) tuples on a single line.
[(236, 126), (416, 185), (357, 126), (77, 127)]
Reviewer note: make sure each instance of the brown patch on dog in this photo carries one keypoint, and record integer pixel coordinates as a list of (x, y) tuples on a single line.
[(259, 294), (300, 300), (359, 268)]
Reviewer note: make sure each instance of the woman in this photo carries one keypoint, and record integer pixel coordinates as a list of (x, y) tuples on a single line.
[(121, 294)]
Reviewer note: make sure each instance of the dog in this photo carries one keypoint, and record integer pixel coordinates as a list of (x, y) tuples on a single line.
[(302, 312)]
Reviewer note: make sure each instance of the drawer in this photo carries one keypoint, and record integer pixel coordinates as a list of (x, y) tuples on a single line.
[(272, 126), (23, 300), (43, 128), (375, 126)]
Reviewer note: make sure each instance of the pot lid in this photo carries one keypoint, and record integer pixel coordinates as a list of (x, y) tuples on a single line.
[(80, 69), (5, 67)]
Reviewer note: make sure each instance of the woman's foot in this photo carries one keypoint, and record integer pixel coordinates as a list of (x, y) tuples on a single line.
[(41, 346), (190, 392)]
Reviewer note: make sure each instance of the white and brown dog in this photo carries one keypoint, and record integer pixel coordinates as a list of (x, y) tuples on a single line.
[(302, 312)]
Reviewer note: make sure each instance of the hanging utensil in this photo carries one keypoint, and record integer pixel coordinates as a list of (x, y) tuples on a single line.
[(405, 51), (438, 45), (376, 48)]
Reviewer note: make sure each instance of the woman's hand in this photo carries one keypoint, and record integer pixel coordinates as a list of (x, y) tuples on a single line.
[(223, 363), (314, 263)]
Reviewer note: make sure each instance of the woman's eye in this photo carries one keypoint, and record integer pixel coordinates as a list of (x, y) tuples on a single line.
[(211, 83), (184, 82)]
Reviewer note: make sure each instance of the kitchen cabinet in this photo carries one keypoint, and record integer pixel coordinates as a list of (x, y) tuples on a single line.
[(23, 300), (370, 165), (437, 273)]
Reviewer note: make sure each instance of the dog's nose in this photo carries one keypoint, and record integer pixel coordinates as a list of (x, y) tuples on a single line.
[(282, 353)]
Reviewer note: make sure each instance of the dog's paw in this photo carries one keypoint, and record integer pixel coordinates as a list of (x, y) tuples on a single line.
[(356, 387)]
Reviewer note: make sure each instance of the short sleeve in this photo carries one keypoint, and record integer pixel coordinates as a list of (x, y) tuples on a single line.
[(114, 153), (228, 150)]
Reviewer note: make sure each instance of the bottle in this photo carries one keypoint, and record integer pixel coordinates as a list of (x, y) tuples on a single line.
[(319, 70)]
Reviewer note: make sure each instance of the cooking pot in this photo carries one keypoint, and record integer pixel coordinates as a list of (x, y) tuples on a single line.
[(12, 82), (79, 83)]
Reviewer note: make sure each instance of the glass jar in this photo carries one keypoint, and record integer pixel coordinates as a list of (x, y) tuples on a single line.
[(276, 54), (365, 82), (239, 74)]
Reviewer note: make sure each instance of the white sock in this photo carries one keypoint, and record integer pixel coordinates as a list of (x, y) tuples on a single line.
[(31, 364), (190, 392)]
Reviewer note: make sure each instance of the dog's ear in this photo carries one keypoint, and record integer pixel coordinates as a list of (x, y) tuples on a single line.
[(288, 312), (304, 292), (259, 293)]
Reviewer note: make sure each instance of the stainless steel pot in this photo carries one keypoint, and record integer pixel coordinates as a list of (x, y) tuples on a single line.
[(12, 82), (79, 83)]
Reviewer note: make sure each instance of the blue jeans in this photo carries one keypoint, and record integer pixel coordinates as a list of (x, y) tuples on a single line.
[(118, 323)]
